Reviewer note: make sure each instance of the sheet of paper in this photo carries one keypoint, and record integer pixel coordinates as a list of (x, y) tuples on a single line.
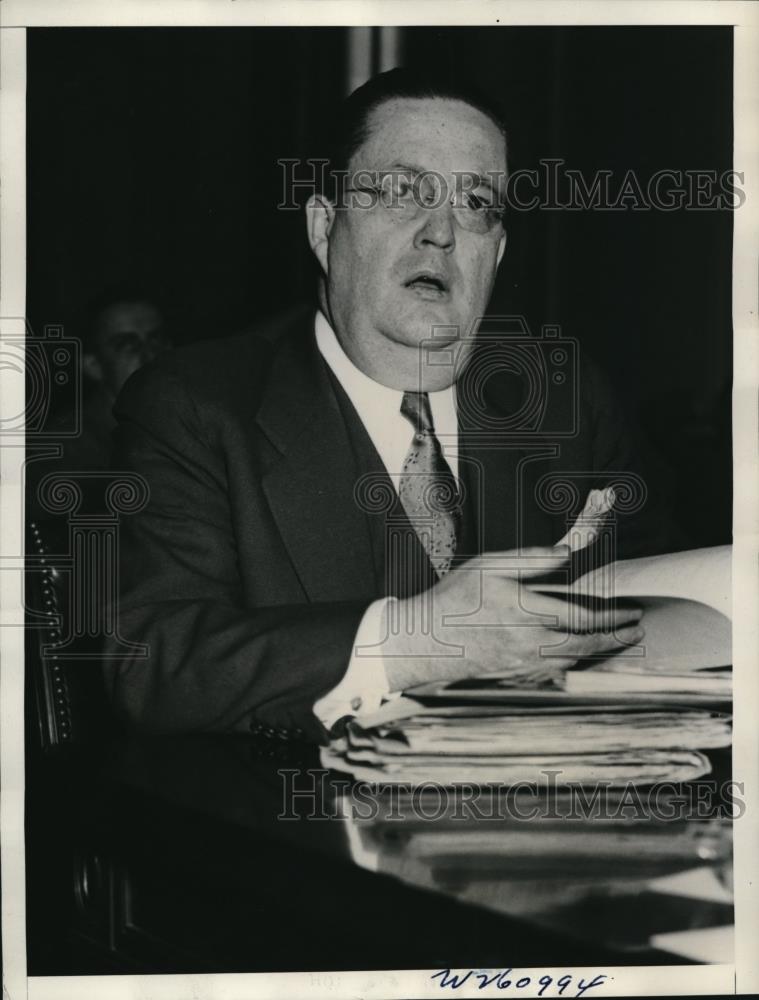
[(696, 883), (680, 634), (703, 575), (710, 944), (581, 681), (488, 691), (685, 598)]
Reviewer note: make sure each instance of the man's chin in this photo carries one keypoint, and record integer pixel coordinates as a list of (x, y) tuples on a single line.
[(431, 321)]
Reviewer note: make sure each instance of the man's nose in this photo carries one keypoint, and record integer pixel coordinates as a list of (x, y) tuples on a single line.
[(437, 228), (151, 347), (148, 352)]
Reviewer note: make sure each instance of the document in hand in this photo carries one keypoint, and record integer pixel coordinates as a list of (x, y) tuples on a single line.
[(686, 654), (686, 601)]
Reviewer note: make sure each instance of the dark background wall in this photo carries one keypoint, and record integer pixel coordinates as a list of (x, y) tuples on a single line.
[(152, 156)]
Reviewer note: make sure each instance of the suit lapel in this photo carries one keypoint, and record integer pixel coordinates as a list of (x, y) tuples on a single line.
[(338, 548), (310, 482)]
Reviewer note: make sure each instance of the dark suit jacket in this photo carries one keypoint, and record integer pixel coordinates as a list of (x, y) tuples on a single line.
[(265, 536)]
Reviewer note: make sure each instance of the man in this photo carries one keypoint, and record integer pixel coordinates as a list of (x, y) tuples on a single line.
[(125, 331), (122, 331), (291, 567)]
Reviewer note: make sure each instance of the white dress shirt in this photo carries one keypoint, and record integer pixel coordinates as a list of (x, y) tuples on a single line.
[(379, 408)]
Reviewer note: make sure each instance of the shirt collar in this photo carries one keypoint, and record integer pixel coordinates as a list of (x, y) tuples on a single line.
[(356, 383), (366, 395), (379, 407)]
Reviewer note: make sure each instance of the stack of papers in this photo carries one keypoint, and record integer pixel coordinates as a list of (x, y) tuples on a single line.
[(504, 746), (532, 731)]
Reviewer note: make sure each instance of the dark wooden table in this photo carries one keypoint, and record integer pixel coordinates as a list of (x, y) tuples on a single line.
[(193, 854)]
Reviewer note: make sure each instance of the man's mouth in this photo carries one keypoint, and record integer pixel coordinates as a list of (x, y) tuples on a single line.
[(428, 285)]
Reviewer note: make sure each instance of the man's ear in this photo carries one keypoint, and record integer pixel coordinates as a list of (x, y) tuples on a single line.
[(92, 367), (501, 248), (320, 217)]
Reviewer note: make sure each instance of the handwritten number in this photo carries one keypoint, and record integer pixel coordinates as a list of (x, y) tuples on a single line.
[(485, 979), (596, 981), (502, 981)]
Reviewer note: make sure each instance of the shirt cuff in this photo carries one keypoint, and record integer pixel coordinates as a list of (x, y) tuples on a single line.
[(364, 684)]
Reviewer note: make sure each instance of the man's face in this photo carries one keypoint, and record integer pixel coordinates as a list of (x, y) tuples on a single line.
[(128, 336), (392, 277)]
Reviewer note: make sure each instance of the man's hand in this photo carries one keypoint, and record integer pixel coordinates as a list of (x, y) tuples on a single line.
[(501, 626)]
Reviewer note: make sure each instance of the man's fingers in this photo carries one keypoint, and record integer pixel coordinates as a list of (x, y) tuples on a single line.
[(585, 529), (593, 643), (574, 617), (579, 619), (544, 668), (525, 563)]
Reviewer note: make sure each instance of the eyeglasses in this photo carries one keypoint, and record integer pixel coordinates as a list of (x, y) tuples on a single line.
[(408, 196)]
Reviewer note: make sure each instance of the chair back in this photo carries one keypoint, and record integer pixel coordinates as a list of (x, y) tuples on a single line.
[(67, 703)]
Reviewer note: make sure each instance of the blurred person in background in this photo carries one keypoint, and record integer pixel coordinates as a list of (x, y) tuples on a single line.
[(122, 330), (125, 330)]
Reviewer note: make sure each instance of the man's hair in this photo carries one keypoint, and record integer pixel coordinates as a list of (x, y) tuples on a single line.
[(351, 127)]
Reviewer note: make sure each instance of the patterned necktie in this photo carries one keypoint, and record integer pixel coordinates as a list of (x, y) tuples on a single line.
[(427, 487)]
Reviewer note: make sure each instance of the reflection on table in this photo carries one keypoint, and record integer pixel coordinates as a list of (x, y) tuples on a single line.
[(228, 854)]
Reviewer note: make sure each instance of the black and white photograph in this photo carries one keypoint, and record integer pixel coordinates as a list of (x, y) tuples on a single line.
[(379, 499)]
